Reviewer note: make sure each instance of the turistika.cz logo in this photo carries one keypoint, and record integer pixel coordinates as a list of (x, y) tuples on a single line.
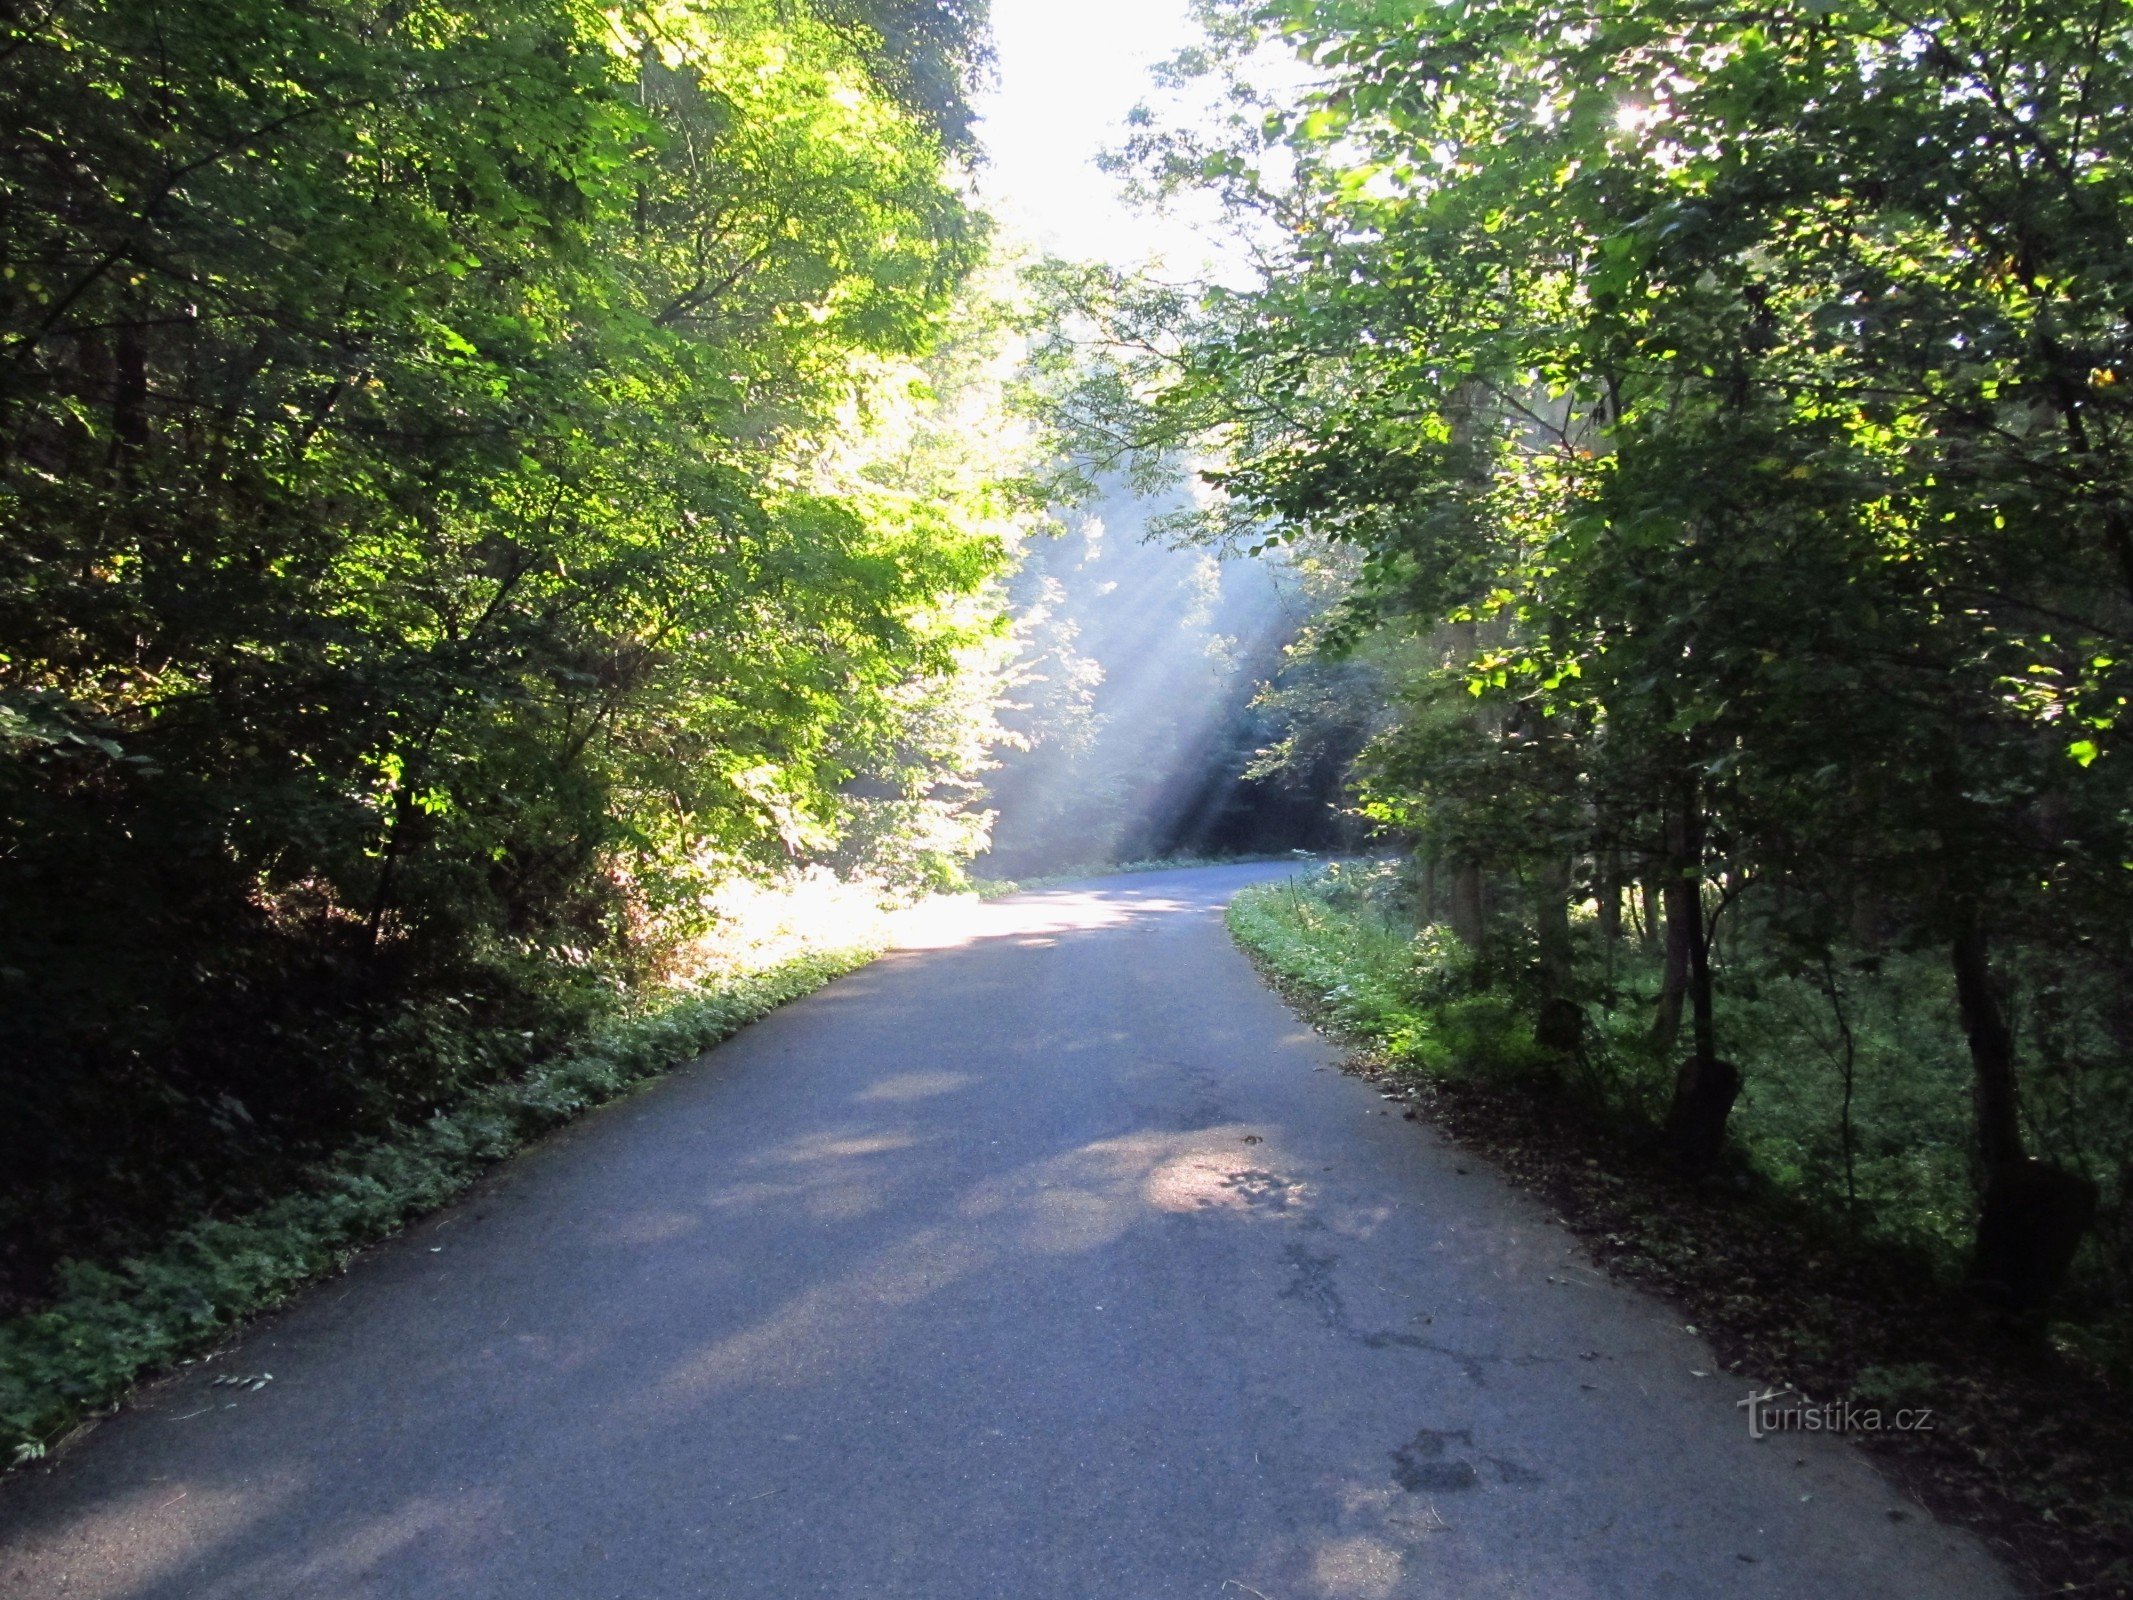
[(1788, 1411)]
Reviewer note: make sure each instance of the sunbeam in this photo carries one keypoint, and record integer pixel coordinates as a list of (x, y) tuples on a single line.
[(1140, 665)]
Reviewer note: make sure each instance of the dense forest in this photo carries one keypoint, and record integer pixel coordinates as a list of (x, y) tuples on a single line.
[(472, 479), (1716, 421)]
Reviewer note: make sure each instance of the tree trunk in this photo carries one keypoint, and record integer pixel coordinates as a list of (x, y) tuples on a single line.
[(1706, 1088), (1607, 897), (129, 398), (1551, 925), (2033, 1214), (1469, 913), (1560, 1026), (1674, 974), (1608, 904), (1865, 920), (1999, 1122)]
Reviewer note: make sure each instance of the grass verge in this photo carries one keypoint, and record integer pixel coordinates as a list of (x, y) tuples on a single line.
[(2033, 1442), (110, 1325)]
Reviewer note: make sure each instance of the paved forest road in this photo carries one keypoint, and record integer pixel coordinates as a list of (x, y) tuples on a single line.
[(1035, 1262)]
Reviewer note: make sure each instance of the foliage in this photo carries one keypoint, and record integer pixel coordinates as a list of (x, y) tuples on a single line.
[(1338, 934), (467, 488), (926, 54)]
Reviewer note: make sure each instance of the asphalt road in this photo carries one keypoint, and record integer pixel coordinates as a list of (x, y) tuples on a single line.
[(1048, 1257)]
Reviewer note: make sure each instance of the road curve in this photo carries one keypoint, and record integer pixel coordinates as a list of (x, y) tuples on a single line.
[(1048, 1256)]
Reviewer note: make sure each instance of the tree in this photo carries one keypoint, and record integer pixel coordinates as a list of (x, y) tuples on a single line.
[(419, 571)]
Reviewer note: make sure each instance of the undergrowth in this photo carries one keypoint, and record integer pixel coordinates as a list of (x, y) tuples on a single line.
[(112, 1322), (1827, 1252), (1856, 1097)]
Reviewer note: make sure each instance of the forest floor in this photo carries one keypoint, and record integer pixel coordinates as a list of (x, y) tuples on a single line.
[(1048, 1255)]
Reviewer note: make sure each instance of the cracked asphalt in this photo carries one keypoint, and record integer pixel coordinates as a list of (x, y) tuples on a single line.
[(1047, 1256)]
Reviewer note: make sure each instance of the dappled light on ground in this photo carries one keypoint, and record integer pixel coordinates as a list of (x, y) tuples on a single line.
[(1215, 1179), (915, 1086), (1357, 1565), (1083, 1199), (819, 1334)]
